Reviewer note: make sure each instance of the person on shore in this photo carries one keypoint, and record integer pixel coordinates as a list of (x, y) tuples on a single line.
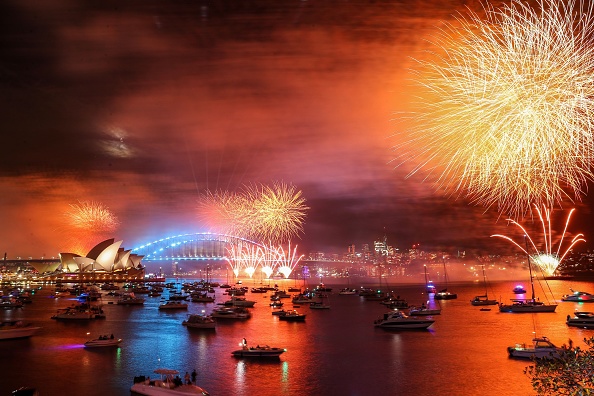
[(194, 376), (187, 378)]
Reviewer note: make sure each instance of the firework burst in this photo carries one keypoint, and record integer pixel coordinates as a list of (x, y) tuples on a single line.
[(86, 224), (506, 111), (547, 258), (273, 214), (287, 260), (277, 212)]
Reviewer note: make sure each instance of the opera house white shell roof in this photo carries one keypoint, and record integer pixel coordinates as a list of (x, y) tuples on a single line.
[(106, 256)]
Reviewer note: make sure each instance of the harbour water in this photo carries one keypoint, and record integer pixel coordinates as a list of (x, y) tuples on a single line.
[(334, 352)]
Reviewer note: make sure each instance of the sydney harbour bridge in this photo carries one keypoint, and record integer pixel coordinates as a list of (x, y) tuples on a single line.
[(196, 246)]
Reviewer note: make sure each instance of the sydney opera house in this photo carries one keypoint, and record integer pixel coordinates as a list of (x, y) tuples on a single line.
[(107, 261)]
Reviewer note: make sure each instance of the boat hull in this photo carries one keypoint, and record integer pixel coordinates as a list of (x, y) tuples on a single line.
[(527, 308), (153, 390), (417, 324), (528, 353), (11, 334), (102, 343), (255, 353)]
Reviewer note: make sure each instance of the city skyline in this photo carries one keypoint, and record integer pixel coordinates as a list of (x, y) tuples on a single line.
[(144, 108)]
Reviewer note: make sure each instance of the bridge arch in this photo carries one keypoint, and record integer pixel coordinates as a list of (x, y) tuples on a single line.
[(194, 246)]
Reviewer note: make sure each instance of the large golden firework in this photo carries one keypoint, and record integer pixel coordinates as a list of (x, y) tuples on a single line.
[(273, 214), (545, 256), (277, 212), (505, 115)]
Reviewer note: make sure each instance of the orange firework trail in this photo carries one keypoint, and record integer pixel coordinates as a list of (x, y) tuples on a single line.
[(547, 258)]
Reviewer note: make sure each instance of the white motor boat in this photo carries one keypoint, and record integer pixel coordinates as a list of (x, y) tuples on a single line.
[(578, 296), (423, 311), (169, 383), (542, 348), (263, 351), (201, 321), (16, 329), (399, 320), (103, 341), (585, 320)]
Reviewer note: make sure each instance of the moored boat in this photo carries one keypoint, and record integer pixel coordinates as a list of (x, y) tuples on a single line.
[(200, 321), (231, 313), (130, 299), (173, 305), (292, 316), (542, 348), (584, 320), (169, 383), (259, 351), (16, 329), (399, 320)]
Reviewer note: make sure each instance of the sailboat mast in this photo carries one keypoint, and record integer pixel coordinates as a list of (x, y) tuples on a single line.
[(485, 282), (529, 268)]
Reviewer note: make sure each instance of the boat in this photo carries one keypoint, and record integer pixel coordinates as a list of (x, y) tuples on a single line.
[(201, 297), (25, 391), (483, 299), (319, 304), (292, 316), (276, 304), (531, 305), (169, 383), (584, 320), (10, 303), (259, 351), (578, 296), (130, 299), (103, 341), (519, 289), (321, 288), (423, 310), (231, 313), (399, 320), (542, 348), (10, 330), (347, 291), (200, 321), (173, 305), (80, 312), (444, 294), (302, 298), (294, 290), (236, 301)]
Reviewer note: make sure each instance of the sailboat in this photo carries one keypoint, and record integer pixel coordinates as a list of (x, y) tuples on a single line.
[(424, 310), (445, 294), (295, 289), (483, 299), (527, 305)]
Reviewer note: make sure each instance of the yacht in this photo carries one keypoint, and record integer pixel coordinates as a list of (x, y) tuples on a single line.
[(80, 312), (16, 329), (263, 351), (482, 300), (201, 321), (231, 313), (236, 301), (525, 306), (347, 291), (398, 320), (201, 297), (292, 316), (584, 320), (578, 296), (423, 310), (519, 289), (173, 305), (169, 383), (542, 348), (130, 299), (103, 341)]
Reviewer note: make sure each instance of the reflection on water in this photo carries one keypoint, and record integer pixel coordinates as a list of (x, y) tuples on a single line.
[(335, 351)]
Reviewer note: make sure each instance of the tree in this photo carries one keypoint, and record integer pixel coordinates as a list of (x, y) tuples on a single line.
[(571, 373)]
